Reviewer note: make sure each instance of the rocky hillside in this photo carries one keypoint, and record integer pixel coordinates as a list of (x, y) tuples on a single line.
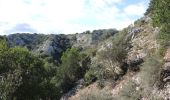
[(55, 44), (128, 79), (141, 73), (131, 64), (132, 74)]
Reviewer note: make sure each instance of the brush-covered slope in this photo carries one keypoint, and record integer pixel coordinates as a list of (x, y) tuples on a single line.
[(143, 74), (134, 64)]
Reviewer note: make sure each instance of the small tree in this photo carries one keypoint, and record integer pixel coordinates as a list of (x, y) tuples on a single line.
[(112, 58), (21, 73), (72, 68)]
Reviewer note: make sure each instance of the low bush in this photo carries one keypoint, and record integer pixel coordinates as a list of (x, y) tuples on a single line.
[(164, 39), (110, 61), (129, 92), (89, 77), (150, 71)]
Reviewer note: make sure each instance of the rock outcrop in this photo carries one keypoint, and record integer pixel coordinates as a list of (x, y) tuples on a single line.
[(142, 42)]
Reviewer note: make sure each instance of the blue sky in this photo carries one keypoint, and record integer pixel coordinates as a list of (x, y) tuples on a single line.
[(68, 16)]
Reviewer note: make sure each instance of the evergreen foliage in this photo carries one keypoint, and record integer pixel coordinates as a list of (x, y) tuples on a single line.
[(21, 73), (159, 11)]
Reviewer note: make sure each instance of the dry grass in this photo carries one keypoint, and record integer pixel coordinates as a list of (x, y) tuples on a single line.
[(92, 92)]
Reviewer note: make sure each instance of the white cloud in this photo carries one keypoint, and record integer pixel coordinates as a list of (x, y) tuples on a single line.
[(23, 26), (66, 16), (135, 9)]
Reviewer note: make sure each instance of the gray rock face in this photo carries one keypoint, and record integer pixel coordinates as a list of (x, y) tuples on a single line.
[(31, 41), (83, 40), (142, 42), (46, 47), (54, 45), (87, 39), (18, 40), (134, 31)]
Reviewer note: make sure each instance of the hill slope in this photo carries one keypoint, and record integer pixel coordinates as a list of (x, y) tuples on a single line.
[(55, 45), (132, 64), (139, 80)]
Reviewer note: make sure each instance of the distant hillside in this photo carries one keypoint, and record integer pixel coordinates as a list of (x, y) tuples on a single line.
[(55, 44)]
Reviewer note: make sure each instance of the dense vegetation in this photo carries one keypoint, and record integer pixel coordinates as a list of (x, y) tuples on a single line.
[(72, 68), (24, 76), (110, 63), (21, 73), (159, 11)]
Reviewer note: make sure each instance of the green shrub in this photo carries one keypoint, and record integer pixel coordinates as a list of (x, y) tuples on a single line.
[(73, 67), (159, 11), (129, 92), (164, 38), (89, 77), (90, 51), (25, 76), (21, 73), (150, 71), (162, 51), (150, 80), (110, 61)]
